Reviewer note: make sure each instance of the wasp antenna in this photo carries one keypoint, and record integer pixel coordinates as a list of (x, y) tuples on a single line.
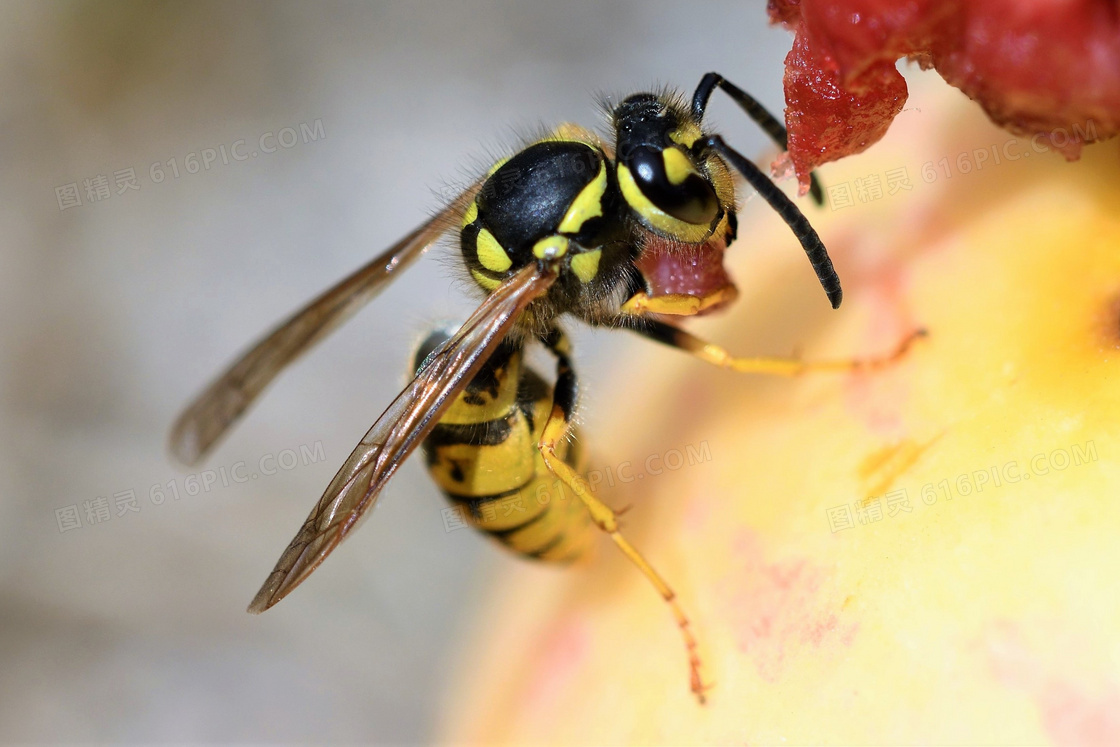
[(753, 109), (794, 218)]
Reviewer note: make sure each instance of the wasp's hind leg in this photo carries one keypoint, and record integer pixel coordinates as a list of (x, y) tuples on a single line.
[(718, 356), (555, 431)]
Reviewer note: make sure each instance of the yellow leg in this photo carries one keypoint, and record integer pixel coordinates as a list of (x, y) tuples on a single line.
[(718, 356), (555, 430)]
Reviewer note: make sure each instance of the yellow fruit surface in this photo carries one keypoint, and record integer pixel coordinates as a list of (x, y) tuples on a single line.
[(928, 553)]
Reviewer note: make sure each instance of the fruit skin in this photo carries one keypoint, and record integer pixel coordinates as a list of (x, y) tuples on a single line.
[(988, 618)]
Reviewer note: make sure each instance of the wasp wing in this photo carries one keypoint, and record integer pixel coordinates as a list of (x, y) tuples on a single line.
[(411, 417), (223, 402)]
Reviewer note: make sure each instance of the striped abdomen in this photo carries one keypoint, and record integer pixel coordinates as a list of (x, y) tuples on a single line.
[(483, 455)]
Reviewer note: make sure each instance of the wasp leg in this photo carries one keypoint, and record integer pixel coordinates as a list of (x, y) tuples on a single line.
[(678, 304), (675, 337), (555, 431), (753, 109)]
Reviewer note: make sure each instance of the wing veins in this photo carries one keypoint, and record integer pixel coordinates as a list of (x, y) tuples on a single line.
[(399, 430), (225, 399)]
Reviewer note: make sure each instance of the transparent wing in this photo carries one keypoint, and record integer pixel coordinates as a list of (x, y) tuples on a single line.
[(399, 430), (215, 409)]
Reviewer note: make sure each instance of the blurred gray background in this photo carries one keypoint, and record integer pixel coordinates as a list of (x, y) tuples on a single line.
[(123, 619)]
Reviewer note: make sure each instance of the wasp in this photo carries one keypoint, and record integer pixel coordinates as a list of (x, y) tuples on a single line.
[(620, 233)]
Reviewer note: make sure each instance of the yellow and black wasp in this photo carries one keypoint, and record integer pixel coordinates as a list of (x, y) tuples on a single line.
[(569, 225)]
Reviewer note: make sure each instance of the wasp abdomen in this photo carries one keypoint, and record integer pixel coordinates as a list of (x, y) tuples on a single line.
[(483, 455)]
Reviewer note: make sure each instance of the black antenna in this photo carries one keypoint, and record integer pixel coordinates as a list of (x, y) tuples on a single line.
[(794, 218), (756, 111)]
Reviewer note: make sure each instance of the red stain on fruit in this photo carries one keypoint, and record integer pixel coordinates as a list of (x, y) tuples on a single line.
[(699, 508), (779, 610), (1045, 68), (876, 276), (563, 649), (1072, 708)]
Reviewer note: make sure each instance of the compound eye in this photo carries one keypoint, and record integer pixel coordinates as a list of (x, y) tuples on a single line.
[(670, 180)]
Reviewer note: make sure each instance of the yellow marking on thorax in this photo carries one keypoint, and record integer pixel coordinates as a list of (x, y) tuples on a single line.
[(501, 162), (487, 283), (658, 219), (471, 214), (586, 265), (490, 253), (551, 247), (568, 131), (587, 204)]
